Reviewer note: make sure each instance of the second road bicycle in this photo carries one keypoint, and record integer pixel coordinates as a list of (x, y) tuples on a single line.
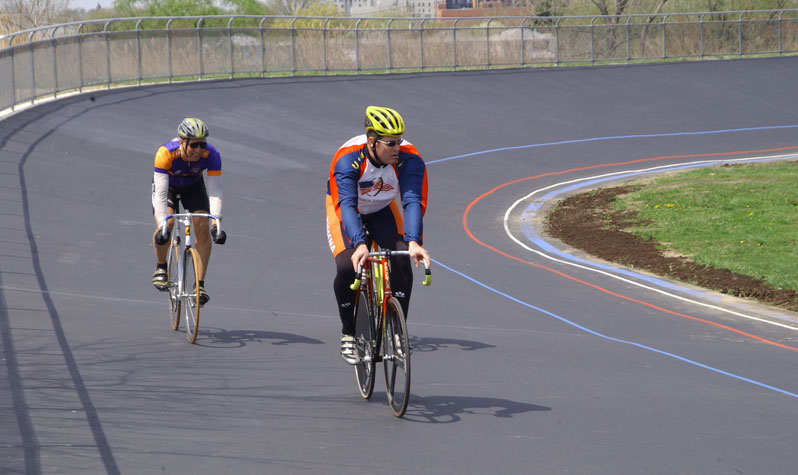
[(183, 263)]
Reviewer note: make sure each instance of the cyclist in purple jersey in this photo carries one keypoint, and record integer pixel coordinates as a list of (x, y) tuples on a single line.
[(178, 178)]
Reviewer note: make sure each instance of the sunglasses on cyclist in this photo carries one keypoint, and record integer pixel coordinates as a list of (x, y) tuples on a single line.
[(392, 143), (198, 144)]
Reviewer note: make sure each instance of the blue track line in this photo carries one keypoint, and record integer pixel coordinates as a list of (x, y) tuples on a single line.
[(617, 340), (616, 137)]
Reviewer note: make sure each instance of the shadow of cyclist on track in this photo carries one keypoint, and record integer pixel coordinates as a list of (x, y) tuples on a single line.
[(220, 338), (435, 344), (447, 409)]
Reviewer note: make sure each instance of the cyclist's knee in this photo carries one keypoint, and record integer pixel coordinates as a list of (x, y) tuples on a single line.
[(201, 225)]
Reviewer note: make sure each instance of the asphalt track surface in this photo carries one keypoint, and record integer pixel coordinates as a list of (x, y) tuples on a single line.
[(523, 362)]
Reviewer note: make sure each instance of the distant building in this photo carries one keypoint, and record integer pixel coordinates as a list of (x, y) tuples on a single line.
[(433, 8), (370, 8)]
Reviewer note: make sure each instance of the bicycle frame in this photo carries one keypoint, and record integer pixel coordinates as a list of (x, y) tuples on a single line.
[(377, 284), (184, 221)]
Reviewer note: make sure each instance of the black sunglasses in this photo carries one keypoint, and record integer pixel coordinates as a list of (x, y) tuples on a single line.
[(198, 144), (392, 143)]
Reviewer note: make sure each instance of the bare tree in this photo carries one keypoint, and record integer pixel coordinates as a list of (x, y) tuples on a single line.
[(620, 7), (612, 21), (650, 20), (289, 7), (24, 14)]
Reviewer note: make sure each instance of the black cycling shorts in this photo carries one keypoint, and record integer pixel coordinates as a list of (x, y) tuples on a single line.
[(194, 198)]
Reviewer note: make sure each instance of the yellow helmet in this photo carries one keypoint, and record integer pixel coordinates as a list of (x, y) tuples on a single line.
[(192, 128), (384, 121)]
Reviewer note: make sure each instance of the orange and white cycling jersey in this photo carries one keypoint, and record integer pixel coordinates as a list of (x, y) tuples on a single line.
[(357, 186)]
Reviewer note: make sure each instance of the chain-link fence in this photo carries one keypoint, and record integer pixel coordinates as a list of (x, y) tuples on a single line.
[(53, 60)]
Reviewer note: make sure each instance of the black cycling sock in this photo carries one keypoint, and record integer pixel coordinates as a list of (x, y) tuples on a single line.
[(160, 266), (202, 283)]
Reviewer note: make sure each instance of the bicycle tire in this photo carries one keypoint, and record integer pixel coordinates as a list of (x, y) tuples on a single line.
[(396, 358), (364, 343), (191, 297), (172, 287)]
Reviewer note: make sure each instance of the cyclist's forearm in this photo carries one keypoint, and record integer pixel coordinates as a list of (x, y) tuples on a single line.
[(215, 195), (160, 190), (413, 222)]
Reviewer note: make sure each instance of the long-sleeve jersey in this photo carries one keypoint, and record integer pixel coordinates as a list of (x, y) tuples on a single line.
[(172, 170), (357, 186)]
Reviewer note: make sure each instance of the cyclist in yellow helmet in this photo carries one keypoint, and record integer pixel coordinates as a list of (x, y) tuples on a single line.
[(178, 178), (368, 175)]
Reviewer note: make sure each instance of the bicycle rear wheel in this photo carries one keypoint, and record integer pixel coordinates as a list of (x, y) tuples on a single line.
[(174, 297), (191, 296), (364, 369), (396, 358)]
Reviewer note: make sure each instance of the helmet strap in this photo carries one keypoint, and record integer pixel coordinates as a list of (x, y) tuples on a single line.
[(375, 159)]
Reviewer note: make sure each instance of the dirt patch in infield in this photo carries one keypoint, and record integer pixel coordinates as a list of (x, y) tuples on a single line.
[(586, 221)]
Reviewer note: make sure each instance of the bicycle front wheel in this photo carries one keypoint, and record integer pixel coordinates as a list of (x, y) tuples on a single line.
[(191, 295), (396, 358), (172, 287), (365, 346)]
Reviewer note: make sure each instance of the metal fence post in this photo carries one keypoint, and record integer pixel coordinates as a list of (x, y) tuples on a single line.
[(262, 49), (557, 43), (107, 55), (293, 48), (357, 45), (54, 44), (230, 42), (592, 42), (454, 44), (740, 34), (421, 43), (138, 51), (80, 58), (701, 26), (13, 73), (628, 50), (523, 45), (32, 69), (169, 48), (390, 50), (199, 46)]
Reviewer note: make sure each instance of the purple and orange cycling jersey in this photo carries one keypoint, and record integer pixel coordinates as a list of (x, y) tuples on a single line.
[(181, 173)]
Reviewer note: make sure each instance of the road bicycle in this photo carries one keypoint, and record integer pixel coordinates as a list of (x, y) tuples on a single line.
[(381, 330), (182, 270)]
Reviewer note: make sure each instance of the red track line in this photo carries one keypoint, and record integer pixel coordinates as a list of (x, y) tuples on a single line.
[(614, 294)]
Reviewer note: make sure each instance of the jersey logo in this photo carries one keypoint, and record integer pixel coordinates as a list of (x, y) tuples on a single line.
[(356, 164), (372, 188)]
